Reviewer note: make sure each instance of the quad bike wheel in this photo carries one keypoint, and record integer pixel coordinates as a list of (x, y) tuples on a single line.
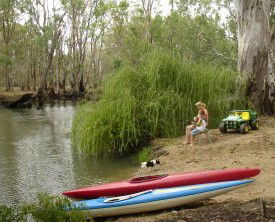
[(244, 128), (223, 128), (255, 124)]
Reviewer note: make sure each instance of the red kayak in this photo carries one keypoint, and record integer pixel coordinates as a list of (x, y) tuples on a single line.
[(140, 184)]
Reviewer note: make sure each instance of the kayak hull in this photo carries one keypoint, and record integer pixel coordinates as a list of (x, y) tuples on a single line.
[(162, 181), (158, 199)]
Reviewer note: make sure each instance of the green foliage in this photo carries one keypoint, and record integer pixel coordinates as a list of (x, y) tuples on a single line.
[(202, 40), (198, 38), (51, 208), (10, 214), (113, 33), (47, 209), (144, 155), (5, 60), (151, 100)]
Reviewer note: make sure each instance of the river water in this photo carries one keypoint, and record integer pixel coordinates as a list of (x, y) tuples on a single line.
[(36, 155)]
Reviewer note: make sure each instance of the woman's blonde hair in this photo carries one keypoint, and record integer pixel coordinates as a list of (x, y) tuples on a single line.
[(200, 104)]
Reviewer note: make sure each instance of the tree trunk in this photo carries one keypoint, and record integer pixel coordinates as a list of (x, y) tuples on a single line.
[(7, 77), (34, 76), (255, 51), (81, 88)]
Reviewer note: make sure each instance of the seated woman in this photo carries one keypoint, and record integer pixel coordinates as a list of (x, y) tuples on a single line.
[(203, 116)]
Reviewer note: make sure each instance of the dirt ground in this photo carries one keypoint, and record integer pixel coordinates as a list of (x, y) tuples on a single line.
[(211, 210), (232, 150), (10, 96)]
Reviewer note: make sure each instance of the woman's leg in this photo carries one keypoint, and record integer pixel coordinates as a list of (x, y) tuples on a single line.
[(193, 134), (191, 139), (188, 133)]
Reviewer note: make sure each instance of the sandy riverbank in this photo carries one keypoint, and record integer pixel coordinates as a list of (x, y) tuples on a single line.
[(231, 150)]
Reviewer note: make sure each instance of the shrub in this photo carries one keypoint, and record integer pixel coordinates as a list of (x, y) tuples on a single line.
[(47, 209), (144, 155), (154, 99)]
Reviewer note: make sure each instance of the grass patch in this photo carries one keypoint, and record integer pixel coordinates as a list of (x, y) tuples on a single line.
[(144, 155), (153, 100), (47, 209)]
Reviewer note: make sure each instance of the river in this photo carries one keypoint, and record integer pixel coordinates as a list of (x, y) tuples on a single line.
[(36, 155)]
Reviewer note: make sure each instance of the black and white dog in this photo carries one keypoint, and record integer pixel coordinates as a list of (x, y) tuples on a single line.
[(150, 163)]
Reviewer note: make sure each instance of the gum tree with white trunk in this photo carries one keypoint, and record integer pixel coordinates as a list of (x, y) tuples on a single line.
[(255, 53)]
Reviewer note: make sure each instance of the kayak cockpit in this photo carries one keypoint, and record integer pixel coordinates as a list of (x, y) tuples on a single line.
[(147, 178)]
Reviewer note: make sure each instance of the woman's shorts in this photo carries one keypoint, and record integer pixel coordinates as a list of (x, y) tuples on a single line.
[(195, 132)]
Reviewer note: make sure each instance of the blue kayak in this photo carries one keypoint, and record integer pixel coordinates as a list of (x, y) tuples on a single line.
[(157, 199)]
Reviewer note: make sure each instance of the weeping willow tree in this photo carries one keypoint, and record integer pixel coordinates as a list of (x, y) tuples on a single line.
[(150, 101)]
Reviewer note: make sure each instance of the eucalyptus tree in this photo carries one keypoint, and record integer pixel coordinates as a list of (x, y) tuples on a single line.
[(48, 28), (116, 36), (196, 33), (86, 25), (147, 7), (172, 4), (60, 65), (79, 20), (251, 24), (8, 18), (255, 55), (99, 26), (201, 39), (29, 56), (221, 10), (230, 19), (25, 53)]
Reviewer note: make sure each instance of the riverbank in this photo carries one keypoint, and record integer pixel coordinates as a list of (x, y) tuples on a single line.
[(24, 99), (231, 150), (11, 96)]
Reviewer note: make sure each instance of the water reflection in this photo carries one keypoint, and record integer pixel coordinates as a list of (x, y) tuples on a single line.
[(36, 155)]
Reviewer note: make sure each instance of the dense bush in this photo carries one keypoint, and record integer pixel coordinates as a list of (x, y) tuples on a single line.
[(46, 209), (154, 99)]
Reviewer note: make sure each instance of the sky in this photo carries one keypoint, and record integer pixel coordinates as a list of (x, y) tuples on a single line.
[(164, 7)]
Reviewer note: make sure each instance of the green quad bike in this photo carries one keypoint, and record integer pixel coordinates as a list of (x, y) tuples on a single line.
[(240, 121)]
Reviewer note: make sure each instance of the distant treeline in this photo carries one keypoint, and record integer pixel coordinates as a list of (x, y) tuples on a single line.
[(73, 44)]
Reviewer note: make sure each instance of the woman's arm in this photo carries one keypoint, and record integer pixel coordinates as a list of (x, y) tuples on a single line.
[(206, 114)]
